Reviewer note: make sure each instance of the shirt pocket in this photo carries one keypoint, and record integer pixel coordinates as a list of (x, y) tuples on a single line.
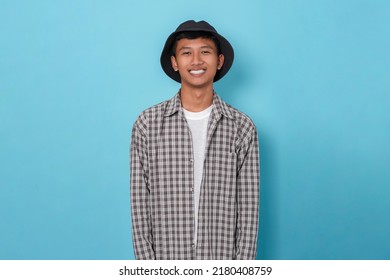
[(224, 175)]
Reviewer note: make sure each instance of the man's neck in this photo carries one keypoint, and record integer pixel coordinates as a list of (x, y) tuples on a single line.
[(196, 100)]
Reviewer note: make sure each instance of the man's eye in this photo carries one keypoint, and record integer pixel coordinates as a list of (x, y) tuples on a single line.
[(186, 53), (206, 52)]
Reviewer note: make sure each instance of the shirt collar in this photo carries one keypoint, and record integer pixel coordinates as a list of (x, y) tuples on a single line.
[(219, 107)]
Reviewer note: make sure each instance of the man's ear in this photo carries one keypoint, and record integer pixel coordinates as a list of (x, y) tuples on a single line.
[(174, 63), (221, 60)]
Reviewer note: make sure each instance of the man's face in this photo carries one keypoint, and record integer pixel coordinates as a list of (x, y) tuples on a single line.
[(197, 61)]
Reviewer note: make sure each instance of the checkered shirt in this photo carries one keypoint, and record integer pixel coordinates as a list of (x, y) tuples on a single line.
[(162, 188)]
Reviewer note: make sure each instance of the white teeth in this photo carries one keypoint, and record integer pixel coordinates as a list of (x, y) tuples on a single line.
[(197, 72)]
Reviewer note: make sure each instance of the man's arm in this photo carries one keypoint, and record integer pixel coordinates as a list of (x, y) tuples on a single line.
[(248, 188), (139, 193)]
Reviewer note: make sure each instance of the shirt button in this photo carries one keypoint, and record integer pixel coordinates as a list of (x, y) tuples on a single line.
[(191, 160), (192, 189), (193, 245)]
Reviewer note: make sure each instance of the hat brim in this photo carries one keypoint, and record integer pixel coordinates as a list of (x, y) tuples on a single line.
[(225, 47)]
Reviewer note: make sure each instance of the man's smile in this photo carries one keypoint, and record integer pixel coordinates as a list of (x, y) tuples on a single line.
[(197, 72)]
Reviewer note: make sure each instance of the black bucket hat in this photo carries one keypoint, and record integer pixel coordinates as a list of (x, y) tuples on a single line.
[(203, 26)]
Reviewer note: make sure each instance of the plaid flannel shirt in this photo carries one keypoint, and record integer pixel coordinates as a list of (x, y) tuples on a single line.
[(162, 185)]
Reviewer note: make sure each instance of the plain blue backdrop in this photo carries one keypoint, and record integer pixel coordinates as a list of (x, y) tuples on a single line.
[(313, 75)]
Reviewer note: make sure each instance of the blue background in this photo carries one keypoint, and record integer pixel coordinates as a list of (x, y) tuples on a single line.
[(313, 75)]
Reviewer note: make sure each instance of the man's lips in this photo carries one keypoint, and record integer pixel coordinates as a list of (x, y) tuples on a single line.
[(197, 72)]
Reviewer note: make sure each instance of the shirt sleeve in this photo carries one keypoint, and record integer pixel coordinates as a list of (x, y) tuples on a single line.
[(139, 195), (248, 191)]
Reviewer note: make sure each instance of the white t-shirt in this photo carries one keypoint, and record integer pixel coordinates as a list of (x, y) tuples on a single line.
[(198, 121)]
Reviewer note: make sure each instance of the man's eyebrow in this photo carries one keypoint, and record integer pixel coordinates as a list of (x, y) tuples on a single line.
[(189, 48), (185, 48)]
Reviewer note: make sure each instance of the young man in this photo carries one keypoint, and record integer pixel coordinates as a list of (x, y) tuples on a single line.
[(194, 160)]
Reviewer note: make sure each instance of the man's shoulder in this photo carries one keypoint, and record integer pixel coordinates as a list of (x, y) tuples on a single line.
[(155, 110), (153, 113), (242, 121)]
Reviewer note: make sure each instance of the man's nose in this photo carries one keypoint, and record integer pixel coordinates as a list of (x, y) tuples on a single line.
[(197, 58)]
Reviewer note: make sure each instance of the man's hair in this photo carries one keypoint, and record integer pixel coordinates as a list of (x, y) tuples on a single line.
[(191, 35)]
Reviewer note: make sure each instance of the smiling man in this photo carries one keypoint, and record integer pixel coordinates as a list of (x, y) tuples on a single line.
[(195, 160)]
